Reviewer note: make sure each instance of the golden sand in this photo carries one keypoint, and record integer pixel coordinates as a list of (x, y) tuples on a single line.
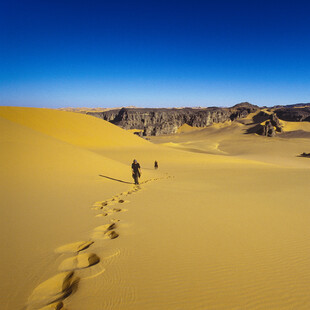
[(222, 224)]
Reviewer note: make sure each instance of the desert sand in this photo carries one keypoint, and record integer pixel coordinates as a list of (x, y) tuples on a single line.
[(222, 224)]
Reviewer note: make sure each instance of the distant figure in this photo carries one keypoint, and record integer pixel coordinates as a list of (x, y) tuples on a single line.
[(136, 172), (156, 164)]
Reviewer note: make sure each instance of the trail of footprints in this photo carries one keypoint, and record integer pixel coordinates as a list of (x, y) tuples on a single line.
[(49, 295)]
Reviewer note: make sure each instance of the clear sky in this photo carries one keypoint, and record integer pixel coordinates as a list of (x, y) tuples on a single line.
[(59, 53)]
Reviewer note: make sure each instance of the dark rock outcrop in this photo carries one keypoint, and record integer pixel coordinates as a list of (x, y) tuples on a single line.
[(297, 114), (242, 110), (267, 130), (268, 125), (155, 122)]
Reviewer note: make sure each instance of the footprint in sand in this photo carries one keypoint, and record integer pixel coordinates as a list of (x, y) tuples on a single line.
[(114, 198), (105, 231), (108, 212), (106, 227), (119, 210), (102, 214), (52, 290), (54, 306), (101, 204), (112, 234), (74, 247), (123, 201), (96, 208), (79, 261), (98, 203)]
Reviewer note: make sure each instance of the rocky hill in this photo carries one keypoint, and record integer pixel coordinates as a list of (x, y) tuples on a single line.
[(294, 114), (160, 121), (153, 122)]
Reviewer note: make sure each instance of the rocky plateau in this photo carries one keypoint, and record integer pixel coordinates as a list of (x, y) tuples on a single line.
[(162, 121)]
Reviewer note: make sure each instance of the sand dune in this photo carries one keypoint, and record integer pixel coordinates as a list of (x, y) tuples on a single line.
[(231, 139), (222, 224), (74, 128), (48, 183)]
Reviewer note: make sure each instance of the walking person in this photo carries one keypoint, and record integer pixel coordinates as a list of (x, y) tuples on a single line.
[(136, 171), (156, 164)]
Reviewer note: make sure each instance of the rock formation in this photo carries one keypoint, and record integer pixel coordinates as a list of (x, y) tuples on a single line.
[(242, 110), (267, 130), (155, 122), (266, 124), (298, 114)]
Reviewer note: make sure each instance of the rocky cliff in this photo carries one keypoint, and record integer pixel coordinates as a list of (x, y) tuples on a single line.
[(153, 122), (294, 114)]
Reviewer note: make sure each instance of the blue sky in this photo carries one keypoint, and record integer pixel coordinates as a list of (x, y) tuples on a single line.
[(154, 53)]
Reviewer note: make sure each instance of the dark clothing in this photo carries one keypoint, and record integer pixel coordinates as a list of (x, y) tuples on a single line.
[(136, 178), (156, 165), (136, 172), (135, 167)]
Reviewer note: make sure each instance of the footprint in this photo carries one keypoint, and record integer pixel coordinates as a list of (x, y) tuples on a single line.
[(114, 198), (123, 201), (80, 261), (112, 234), (98, 235), (111, 201), (98, 204), (54, 306), (119, 210), (101, 204), (74, 247), (102, 214), (54, 289), (105, 231), (106, 227), (96, 208)]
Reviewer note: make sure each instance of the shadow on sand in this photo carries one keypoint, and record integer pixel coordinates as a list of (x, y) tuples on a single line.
[(104, 176)]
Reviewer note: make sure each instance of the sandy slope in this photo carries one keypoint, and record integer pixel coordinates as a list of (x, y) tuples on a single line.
[(48, 184), (223, 223), (231, 139)]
